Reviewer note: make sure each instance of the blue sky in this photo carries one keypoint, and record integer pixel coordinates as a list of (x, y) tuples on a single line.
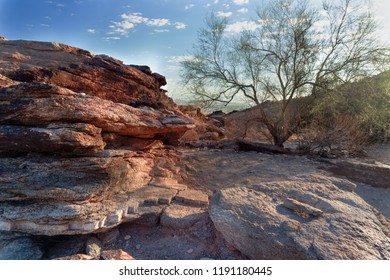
[(158, 33)]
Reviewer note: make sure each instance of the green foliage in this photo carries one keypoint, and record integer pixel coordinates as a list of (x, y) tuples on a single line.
[(367, 102)]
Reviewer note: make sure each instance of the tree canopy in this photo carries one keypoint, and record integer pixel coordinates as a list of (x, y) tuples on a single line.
[(292, 49)]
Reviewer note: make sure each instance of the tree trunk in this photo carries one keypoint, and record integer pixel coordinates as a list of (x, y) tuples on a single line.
[(278, 140)]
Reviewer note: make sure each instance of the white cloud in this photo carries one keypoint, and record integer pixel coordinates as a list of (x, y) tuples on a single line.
[(180, 25), (216, 1), (158, 22), (187, 7), (111, 38), (91, 30), (240, 26), (243, 10), (240, 2), (131, 20), (224, 14), (134, 18), (161, 30), (179, 58)]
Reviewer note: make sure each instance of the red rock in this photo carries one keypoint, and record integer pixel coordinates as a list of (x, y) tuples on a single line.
[(32, 104), (115, 255), (81, 71)]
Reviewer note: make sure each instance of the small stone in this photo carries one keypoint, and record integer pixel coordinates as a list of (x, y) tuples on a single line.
[(93, 247), (138, 246), (127, 237), (190, 251)]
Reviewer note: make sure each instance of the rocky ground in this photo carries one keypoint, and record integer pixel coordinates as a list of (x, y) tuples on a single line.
[(211, 170)]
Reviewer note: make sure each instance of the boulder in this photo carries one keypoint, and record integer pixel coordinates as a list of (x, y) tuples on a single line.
[(374, 174), (81, 71), (300, 220), (49, 195), (39, 105)]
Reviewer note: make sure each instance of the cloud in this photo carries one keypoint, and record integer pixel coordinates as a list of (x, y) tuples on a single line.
[(224, 14), (111, 38), (240, 26), (187, 7), (179, 58), (161, 30), (157, 22), (243, 10), (216, 1), (180, 25), (91, 30), (240, 2), (131, 20)]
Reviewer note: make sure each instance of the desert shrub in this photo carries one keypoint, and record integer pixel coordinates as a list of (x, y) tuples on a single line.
[(341, 137), (349, 118)]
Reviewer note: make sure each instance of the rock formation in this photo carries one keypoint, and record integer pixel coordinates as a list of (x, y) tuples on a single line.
[(80, 71), (77, 132)]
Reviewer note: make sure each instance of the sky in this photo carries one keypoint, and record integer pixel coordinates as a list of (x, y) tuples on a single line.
[(157, 33)]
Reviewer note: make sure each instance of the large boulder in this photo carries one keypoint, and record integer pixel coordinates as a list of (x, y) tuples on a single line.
[(41, 105), (310, 219), (82, 71)]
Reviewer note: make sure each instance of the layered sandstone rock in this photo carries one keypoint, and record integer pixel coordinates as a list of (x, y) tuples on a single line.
[(79, 70), (71, 124)]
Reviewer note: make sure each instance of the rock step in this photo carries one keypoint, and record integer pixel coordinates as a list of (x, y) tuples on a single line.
[(144, 204), (192, 197)]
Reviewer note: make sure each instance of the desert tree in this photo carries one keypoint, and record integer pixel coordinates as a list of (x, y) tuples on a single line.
[(290, 50)]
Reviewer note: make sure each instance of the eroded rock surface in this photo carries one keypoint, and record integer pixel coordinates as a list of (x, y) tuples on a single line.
[(320, 221)]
